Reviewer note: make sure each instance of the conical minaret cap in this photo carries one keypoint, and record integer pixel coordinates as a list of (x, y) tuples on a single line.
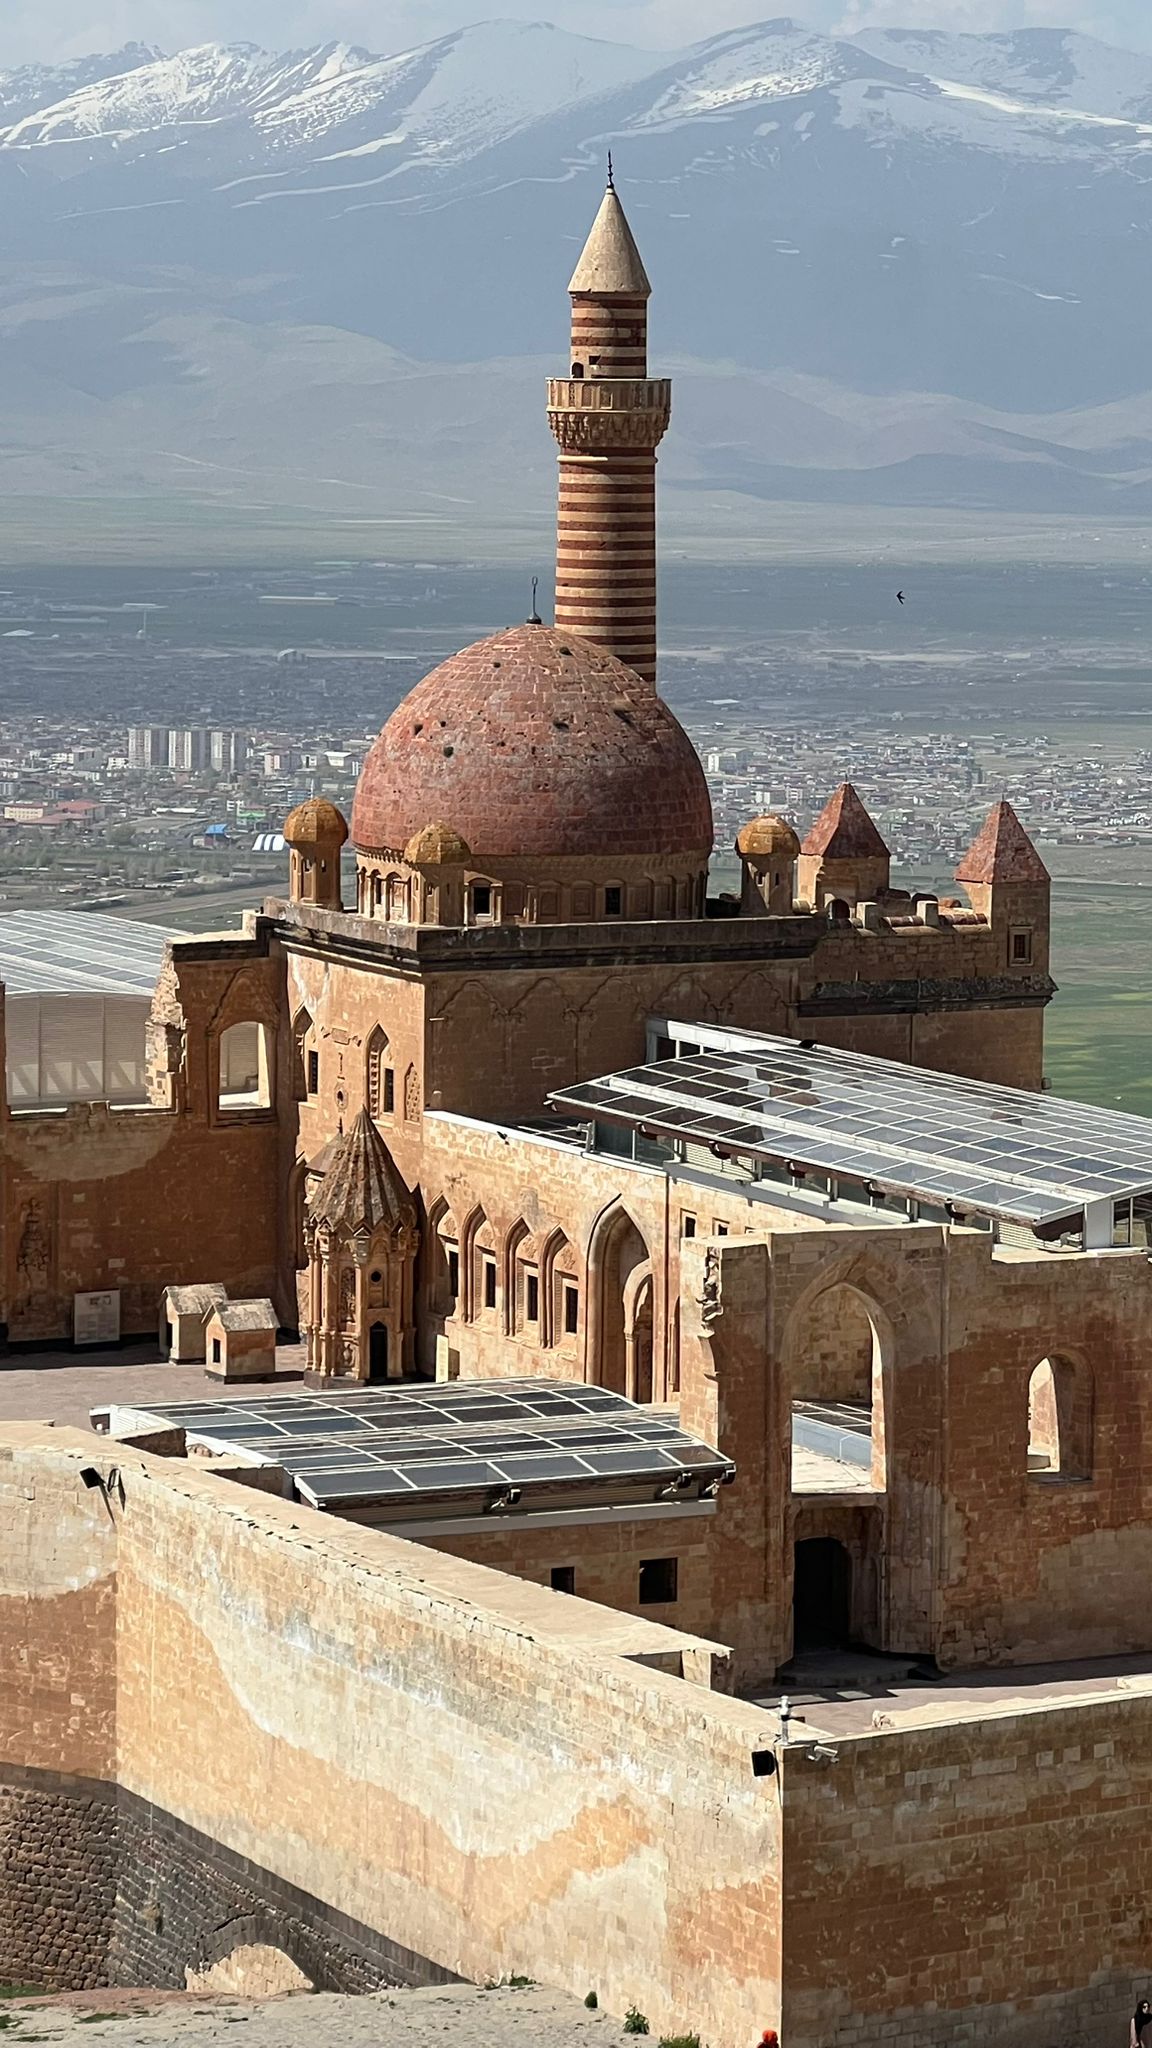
[(611, 262)]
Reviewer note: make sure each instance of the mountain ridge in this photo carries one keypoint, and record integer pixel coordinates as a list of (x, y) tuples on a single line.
[(946, 234)]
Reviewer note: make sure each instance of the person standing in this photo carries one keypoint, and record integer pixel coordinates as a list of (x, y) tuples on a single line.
[(1141, 2034)]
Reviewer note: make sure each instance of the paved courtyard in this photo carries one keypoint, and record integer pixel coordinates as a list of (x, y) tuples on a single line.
[(62, 1386)]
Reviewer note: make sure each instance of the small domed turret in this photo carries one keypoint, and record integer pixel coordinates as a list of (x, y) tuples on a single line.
[(437, 846), (315, 831), (768, 849)]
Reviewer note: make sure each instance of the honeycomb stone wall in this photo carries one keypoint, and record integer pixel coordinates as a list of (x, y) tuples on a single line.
[(58, 1855), (188, 1910)]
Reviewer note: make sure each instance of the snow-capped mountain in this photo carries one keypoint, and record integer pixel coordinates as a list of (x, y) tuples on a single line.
[(464, 92), (41, 85), (889, 214), (1034, 67)]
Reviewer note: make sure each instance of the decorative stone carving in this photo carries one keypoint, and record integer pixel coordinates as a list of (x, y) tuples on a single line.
[(411, 1096), (347, 1297), (34, 1253)]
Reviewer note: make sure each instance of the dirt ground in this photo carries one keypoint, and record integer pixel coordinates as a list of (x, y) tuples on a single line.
[(507, 2017)]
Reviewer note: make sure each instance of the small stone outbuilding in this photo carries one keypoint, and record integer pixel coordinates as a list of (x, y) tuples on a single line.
[(183, 1313), (240, 1340)]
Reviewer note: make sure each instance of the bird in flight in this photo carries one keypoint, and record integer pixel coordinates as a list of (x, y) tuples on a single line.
[(899, 597)]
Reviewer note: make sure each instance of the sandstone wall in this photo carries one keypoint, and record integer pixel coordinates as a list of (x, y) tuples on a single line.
[(605, 1558), (57, 1721), (317, 1725), (835, 1360), (135, 1200), (138, 1199), (368, 1726), (1032, 1565), (346, 1759), (978, 1882)]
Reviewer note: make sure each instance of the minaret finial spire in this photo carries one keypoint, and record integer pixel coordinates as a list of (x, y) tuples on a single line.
[(611, 180), (534, 618)]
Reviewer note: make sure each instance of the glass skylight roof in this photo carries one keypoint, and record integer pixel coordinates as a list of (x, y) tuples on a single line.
[(69, 952), (428, 1448), (1000, 1152)]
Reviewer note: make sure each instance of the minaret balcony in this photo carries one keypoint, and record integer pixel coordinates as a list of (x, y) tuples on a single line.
[(600, 413)]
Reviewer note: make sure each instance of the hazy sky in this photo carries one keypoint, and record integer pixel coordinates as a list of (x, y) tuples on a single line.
[(29, 29)]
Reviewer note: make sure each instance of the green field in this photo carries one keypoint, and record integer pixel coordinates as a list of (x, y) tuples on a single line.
[(1099, 1027)]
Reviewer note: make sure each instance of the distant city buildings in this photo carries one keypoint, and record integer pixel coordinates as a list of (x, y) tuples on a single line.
[(186, 750), (148, 746)]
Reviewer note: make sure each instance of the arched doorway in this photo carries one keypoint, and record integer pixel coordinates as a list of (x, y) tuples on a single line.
[(821, 1595), (378, 1352), (638, 1334), (620, 1261)]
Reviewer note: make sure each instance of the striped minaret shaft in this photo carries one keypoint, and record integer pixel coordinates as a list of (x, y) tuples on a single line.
[(609, 418)]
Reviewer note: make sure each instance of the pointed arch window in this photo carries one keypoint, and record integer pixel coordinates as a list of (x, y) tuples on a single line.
[(559, 1294), (443, 1261), (1060, 1420), (381, 1076), (302, 1050)]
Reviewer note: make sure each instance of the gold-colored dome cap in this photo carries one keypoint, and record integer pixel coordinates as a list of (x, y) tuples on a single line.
[(768, 837), (315, 822), (437, 846)]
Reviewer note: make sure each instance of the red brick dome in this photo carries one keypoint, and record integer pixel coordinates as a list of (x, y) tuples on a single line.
[(535, 742)]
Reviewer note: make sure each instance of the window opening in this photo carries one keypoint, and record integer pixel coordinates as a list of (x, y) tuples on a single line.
[(1059, 1421), (531, 1298), (658, 1581), (245, 1073), (613, 902), (836, 1373), (563, 1578), (489, 1281), (313, 1072), (381, 1083), (571, 1309)]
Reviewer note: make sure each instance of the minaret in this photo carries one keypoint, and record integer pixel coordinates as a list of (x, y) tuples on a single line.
[(609, 418)]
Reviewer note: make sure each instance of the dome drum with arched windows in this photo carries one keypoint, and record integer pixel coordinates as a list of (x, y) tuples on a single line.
[(533, 778)]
